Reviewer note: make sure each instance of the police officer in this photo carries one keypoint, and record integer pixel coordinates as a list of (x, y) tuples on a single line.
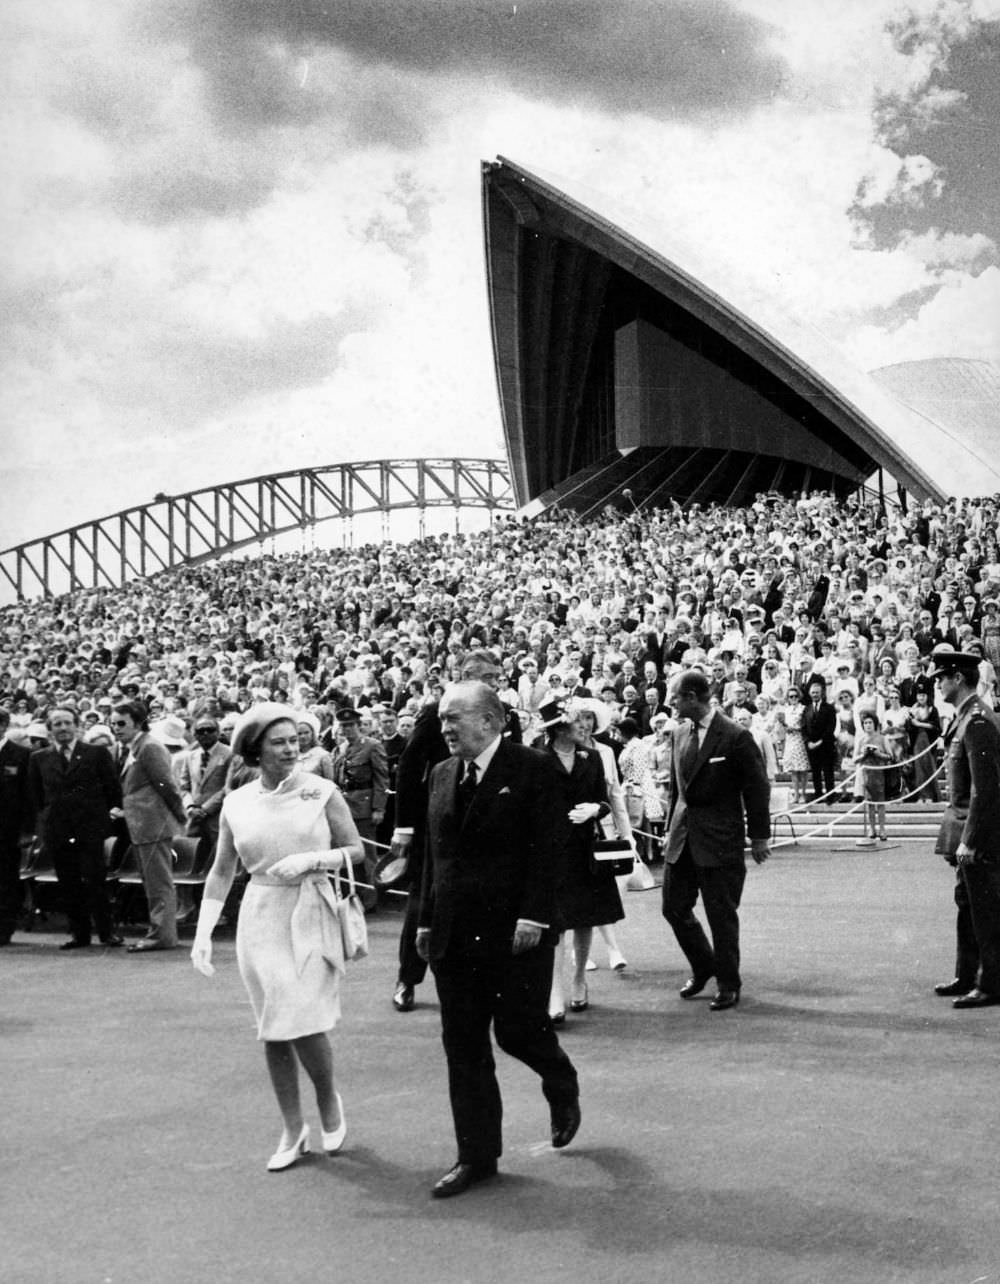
[(360, 770), (970, 831)]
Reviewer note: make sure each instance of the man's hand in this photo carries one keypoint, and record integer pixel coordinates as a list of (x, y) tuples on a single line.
[(760, 849), (582, 812), (378, 817), (526, 937), (400, 844), (423, 943), (195, 812), (965, 855), (116, 813)]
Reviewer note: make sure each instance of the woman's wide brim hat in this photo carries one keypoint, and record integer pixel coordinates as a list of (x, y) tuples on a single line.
[(391, 870), (256, 721), (600, 711)]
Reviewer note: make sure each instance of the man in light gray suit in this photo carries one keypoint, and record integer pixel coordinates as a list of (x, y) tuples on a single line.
[(201, 778), (154, 812)]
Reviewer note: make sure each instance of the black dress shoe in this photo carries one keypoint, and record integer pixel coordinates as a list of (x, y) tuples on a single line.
[(458, 1179), (951, 989), (724, 999), (402, 998), (693, 986), (977, 999), (565, 1117), (75, 945), (113, 942)]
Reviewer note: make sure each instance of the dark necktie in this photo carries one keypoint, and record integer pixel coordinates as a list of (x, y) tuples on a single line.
[(205, 755), (67, 757), (467, 788), (690, 753)]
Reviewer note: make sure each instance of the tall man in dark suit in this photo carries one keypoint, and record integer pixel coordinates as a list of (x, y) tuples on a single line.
[(970, 830), (74, 789), (15, 812), (487, 906), (423, 750), (717, 776), (819, 730)]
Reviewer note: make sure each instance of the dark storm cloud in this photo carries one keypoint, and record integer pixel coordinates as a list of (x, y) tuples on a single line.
[(686, 58)]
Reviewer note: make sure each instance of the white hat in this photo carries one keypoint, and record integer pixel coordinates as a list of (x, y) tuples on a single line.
[(587, 704)]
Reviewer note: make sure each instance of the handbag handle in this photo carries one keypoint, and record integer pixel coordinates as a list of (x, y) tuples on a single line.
[(352, 889)]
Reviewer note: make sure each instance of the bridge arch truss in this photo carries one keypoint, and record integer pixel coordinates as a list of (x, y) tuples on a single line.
[(201, 525)]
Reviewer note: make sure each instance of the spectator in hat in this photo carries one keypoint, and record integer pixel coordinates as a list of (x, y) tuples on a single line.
[(314, 758), (969, 838)]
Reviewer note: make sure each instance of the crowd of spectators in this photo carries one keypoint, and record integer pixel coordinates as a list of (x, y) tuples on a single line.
[(766, 598)]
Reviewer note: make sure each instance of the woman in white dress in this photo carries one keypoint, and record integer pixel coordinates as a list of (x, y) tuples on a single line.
[(290, 829)]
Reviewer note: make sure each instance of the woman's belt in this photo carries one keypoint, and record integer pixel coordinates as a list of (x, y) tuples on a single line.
[(315, 922)]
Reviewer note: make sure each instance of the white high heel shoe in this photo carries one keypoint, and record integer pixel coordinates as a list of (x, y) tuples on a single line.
[(282, 1159), (332, 1141), (616, 961)]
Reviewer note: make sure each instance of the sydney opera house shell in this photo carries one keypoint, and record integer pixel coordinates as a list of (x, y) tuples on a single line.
[(620, 371)]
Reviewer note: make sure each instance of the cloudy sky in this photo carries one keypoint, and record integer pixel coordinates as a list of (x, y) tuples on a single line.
[(241, 236)]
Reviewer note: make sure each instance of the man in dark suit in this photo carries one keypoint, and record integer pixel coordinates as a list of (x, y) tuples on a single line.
[(819, 730), (73, 789), (423, 750), (970, 830), (15, 812), (361, 774), (486, 914), (717, 776)]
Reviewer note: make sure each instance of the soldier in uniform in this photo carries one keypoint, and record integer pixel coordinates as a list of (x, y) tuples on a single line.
[(970, 831), (360, 770)]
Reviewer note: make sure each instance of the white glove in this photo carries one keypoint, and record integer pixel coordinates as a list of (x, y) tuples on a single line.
[(582, 812), (299, 863), (201, 950)]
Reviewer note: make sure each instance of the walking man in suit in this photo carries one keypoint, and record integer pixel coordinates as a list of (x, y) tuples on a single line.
[(154, 812), (15, 812), (970, 830), (819, 729), (74, 794), (718, 776), (485, 925)]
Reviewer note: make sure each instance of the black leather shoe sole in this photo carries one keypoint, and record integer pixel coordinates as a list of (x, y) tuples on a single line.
[(724, 999), (977, 999), (402, 999), (458, 1180), (952, 989)]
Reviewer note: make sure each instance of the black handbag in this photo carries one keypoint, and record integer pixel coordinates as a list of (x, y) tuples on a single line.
[(614, 854)]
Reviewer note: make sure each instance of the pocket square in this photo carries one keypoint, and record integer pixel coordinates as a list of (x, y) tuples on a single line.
[(503, 791), (722, 759)]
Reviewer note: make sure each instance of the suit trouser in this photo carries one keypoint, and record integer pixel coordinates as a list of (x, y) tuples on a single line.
[(823, 763), (721, 887), (83, 886), (156, 865), (977, 896), (412, 968), (513, 994), (10, 887), (365, 871)]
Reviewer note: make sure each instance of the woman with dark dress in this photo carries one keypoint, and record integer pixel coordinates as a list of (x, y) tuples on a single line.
[(922, 729), (585, 897)]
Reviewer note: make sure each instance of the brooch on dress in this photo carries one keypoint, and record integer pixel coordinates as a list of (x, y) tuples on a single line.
[(308, 794)]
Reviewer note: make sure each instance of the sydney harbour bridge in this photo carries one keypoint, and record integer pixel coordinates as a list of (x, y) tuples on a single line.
[(173, 531)]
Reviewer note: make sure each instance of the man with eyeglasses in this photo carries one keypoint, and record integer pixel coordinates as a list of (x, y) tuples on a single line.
[(969, 838)]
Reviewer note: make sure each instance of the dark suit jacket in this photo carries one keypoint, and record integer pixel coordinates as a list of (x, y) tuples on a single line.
[(820, 724), (484, 872), (73, 801), (15, 802), (708, 807), (972, 746)]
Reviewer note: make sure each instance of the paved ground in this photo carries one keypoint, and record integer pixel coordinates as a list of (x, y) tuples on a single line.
[(839, 1126)]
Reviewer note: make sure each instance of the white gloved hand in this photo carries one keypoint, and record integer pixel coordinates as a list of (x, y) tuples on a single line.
[(582, 812), (299, 863), (201, 950)]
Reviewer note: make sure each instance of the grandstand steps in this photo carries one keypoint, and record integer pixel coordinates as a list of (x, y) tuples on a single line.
[(841, 822)]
